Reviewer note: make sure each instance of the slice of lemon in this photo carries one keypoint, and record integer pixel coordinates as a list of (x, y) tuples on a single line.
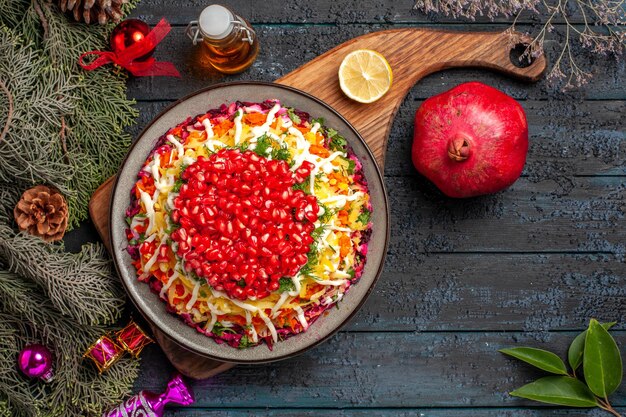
[(365, 75)]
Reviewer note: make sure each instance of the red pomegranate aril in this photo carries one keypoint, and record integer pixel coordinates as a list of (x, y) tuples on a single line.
[(249, 237), (310, 216)]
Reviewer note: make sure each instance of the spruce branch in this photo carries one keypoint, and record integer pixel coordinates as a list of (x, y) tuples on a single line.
[(81, 285), (63, 127), (28, 316)]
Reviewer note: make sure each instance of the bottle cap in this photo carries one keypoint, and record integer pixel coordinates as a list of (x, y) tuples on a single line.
[(216, 22)]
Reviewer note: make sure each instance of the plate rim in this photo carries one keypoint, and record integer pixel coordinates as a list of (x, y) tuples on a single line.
[(166, 331)]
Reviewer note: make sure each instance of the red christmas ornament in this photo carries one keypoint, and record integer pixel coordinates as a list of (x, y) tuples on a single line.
[(128, 33), (133, 339), (132, 46), (104, 353)]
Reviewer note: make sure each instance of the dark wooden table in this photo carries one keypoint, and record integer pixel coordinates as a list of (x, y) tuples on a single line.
[(528, 266)]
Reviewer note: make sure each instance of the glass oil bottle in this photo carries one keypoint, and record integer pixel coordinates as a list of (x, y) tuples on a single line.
[(228, 42)]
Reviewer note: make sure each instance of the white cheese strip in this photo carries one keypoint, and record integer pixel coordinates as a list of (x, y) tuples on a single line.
[(269, 325), (258, 131), (152, 260), (155, 164), (275, 310), (322, 164), (188, 160), (255, 337), (170, 200), (336, 283), (301, 317), (296, 283), (238, 126), (316, 126), (343, 199), (341, 274), (210, 144), (148, 204), (208, 128), (177, 144), (194, 296), (168, 284), (215, 312)]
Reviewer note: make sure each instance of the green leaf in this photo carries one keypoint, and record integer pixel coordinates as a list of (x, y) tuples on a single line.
[(602, 363), (539, 358), (560, 390), (576, 349)]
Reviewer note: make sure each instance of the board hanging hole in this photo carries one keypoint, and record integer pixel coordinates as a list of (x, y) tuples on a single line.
[(520, 57)]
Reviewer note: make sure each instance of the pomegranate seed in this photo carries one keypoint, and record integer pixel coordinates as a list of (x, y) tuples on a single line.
[(237, 229)]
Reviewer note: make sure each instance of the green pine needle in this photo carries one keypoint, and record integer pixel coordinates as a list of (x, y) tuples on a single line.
[(65, 127)]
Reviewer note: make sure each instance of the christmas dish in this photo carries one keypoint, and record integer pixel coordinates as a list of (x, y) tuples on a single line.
[(250, 221)]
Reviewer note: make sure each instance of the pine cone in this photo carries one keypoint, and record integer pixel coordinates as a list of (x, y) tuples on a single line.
[(42, 211), (92, 11)]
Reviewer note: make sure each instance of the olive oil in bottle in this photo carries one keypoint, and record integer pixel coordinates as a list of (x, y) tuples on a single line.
[(228, 41)]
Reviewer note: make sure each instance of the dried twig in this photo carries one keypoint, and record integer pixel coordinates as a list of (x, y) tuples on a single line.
[(63, 141), (42, 17), (602, 31)]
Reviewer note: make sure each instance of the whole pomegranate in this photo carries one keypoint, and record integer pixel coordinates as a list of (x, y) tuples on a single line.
[(470, 140)]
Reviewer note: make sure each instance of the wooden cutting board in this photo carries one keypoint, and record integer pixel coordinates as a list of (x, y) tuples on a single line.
[(412, 54)]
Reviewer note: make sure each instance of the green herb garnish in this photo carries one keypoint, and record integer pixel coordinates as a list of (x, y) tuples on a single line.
[(336, 141), (364, 217), (319, 120), (327, 215), (281, 154), (263, 144), (245, 342), (351, 166), (219, 329), (286, 285), (293, 116)]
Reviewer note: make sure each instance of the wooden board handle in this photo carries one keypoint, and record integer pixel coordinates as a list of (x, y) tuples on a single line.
[(412, 54)]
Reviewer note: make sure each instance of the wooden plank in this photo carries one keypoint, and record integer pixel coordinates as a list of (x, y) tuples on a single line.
[(494, 292), (299, 44), (567, 138), (315, 11), (529, 292), (377, 412), (380, 370), (553, 215)]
